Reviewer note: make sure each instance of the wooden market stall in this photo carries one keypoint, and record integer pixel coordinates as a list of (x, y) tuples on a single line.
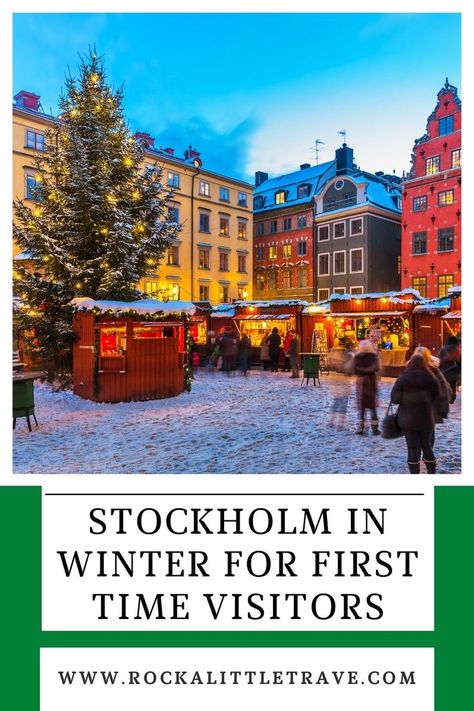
[(130, 350), (435, 320)]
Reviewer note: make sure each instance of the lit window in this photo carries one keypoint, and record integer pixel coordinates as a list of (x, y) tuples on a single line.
[(260, 281), (224, 226), (323, 264), (280, 197), (446, 125), (420, 203), (272, 251), (204, 188), (418, 243), (302, 249), (241, 229), (287, 250), (432, 165), (445, 282), (339, 262), (446, 197), (173, 180), (242, 199), (203, 292), (204, 259), (456, 158), (224, 194), (242, 263), (419, 283), (446, 239), (223, 294), (173, 255), (35, 140)]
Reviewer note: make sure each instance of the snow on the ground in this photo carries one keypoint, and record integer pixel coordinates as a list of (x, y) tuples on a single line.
[(265, 423)]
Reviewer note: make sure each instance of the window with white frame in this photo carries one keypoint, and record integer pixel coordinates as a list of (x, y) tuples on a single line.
[(339, 263), (339, 290), (301, 221), (242, 199), (357, 289), (323, 233), (323, 264), (204, 188), (224, 194), (357, 261), (356, 226), (280, 197), (173, 179), (339, 230), (34, 140)]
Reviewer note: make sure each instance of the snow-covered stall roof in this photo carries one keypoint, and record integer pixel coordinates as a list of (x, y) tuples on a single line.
[(273, 302), (455, 290), (392, 296), (143, 306), (433, 305)]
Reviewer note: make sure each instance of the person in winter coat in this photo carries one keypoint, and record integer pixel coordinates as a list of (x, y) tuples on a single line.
[(416, 391), (229, 346), (265, 352), (441, 407), (286, 352), (450, 364), (366, 365), (294, 353), (245, 351), (274, 343)]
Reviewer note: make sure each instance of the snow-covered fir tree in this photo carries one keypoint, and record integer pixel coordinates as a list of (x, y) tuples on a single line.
[(99, 219)]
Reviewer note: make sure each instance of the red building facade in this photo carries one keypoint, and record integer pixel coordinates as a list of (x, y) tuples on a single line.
[(431, 204)]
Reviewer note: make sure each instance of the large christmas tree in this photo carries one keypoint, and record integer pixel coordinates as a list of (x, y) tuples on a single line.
[(99, 219)]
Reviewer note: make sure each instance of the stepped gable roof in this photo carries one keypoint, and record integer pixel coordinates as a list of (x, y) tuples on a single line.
[(315, 176)]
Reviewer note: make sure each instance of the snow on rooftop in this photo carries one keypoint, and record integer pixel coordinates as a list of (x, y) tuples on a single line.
[(144, 306)]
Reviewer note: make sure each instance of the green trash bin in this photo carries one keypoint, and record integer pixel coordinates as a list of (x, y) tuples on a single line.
[(23, 398), (311, 368)]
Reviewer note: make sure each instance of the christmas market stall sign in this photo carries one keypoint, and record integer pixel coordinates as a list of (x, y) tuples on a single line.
[(126, 351)]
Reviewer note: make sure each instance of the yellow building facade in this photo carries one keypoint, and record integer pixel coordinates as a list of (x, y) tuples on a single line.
[(212, 258)]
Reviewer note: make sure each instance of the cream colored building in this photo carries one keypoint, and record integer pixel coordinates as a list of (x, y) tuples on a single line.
[(212, 258)]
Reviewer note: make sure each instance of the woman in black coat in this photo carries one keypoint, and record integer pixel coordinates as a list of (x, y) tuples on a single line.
[(274, 343), (416, 390)]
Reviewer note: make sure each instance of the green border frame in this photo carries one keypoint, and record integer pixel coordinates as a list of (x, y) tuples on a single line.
[(20, 606)]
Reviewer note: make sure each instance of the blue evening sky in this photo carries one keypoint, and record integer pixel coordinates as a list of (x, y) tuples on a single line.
[(254, 91)]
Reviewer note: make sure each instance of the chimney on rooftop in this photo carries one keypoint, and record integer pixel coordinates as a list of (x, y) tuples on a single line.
[(168, 150), (144, 139), (303, 166), (260, 178), (344, 160), (191, 152), (27, 100)]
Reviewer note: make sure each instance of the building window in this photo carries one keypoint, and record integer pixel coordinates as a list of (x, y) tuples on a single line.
[(280, 197), (287, 250), (303, 191), (272, 251), (242, 292), (224, 194), (173, 255), (203, 292), (356, 261), (286, 277), (260, 229), (445, 282), (223, 261), (323, 294), (339, 230), (446, 239), (31, 186), (302, 278), (446, 125), (446, 197), (456, 158), (241, 229), (173, 292), (432, 165), (323, 233), (242, 199), (349, 199), (173, 180), (242, 263), (419, 283), (356, 226), (272, 279), (420, 203), (323, 264), (302, 249), (258, 202), (418, 243), (329, 204), (287, 223), (260, 252), (173, 214), (357, 289), (301, 221), (151, 289), (339, 266), (224, 226), (203, 222), (223, 294), (273, 226), (204, 188), (339, 290), (260, 281), (34, 140), (203, 259)]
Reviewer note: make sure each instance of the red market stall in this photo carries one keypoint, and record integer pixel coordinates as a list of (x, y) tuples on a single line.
[(437, 319), (130, 350)]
